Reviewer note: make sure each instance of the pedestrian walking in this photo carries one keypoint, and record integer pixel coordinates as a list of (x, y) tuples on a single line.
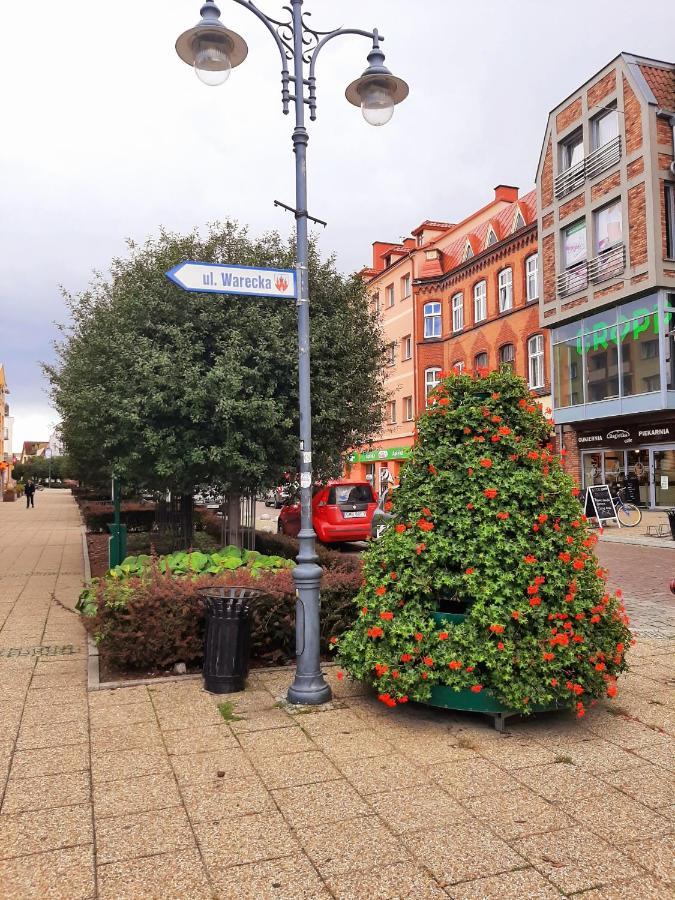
[(30, 493)]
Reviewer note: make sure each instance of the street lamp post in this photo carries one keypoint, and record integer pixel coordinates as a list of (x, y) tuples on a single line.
[(214, 51)]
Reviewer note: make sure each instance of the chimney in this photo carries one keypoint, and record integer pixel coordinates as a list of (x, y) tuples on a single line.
[(506, 192)]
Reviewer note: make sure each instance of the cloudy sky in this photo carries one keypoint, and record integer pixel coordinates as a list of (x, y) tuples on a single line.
[(107, 134)]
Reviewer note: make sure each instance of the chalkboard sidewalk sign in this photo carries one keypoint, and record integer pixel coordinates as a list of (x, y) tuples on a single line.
[(599, 504)]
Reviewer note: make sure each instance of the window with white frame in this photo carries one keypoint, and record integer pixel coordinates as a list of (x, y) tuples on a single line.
[(432, 378), (605, 127), (407, 347), (392, 412), (458, 366), (574, 243), (389, 293), (457, 304), (531, 276), (376, 302), (480, 301), (408, 409), (391, 353), (505, 290), (535, 358), (507, 355), (481, 360), (608, 227), (572, 150), (432, 320), (405, 287)]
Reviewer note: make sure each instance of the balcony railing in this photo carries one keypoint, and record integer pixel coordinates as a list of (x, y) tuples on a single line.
[(596, 162), (607, 265)]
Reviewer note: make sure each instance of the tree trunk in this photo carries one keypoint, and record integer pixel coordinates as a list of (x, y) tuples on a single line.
[(187, 519)]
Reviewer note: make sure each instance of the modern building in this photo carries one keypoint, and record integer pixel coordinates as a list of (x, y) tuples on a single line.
[(606, 200), (477, 308)]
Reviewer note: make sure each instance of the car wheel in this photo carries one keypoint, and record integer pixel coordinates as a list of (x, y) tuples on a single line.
[(280, 527)]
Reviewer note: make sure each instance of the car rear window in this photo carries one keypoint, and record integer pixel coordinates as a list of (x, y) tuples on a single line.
[(350, 493)]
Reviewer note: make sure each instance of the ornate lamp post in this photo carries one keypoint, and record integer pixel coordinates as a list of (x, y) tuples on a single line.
[(213, 50)]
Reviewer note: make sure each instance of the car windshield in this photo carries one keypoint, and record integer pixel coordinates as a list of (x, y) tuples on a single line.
[(350, 493)]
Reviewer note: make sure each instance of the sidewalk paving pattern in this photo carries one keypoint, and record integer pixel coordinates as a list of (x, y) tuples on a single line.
[(145, 792)]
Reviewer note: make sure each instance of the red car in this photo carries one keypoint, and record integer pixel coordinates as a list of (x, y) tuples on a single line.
[(341, 511)]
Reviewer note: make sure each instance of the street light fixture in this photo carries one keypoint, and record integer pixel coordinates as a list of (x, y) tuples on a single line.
[(214, 51)]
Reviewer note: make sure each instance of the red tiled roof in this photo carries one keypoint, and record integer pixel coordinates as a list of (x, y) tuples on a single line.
[(662, 83)]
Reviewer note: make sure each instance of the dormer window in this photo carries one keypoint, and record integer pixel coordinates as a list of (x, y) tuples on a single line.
[(468, 252), (491, 237), (519, 221)]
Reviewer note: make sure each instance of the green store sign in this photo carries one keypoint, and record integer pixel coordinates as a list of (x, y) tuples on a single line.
[(603, 334), (380, 455)]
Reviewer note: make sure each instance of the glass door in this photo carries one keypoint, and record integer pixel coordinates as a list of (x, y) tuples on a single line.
[(663, 469), (637, 477), (592, 468)]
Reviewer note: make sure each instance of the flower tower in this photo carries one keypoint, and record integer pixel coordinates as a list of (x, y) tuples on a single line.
[(488, 528)]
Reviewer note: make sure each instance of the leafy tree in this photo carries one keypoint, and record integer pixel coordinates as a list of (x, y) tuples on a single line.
[(173, 390), (37, 468), (487, 523)]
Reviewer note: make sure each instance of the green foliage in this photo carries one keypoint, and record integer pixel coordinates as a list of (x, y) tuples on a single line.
[(37, 469), (172, 390), (486, 523), (226, 710)]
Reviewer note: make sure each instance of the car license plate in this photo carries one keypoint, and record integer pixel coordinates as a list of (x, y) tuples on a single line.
[(355, 515)]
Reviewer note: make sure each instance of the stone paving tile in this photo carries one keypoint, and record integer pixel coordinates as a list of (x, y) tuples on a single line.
[(170, 876), (47, 792), (659, 754), (463, 851), (142, 736), (248, 839), (188, 741), (67, 874), (472, 777), (575, 859), (334, 721), (415, 808), (656, 855), (57, 714), (210, 800), (524, 884), (115, 716), (142, 834), (233, 764), (263, 720), (104, 699), (355, 745), (289, 878), (644, 888), (517, 755), (403, 881), (50, 761), (35, 831), (60, 734), (650, 785), (377, 774), (128, 764), (294, 769), (617, 818), (276, 742), (336, 848), (126, 796), (602, 756), (561, 781), (314, 804), (516, 814)]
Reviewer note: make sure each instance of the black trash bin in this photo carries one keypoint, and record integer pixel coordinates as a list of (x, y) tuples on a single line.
[(671, 522), (226, 638)]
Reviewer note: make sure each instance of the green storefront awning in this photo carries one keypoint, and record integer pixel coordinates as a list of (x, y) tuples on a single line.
[(380, 455)]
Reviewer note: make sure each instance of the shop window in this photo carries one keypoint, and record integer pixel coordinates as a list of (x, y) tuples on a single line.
[(602, 358), (535, 360), (480, 302), (480, 361), (507, 356), (639, 351), (505, 290), (531, 274), (432, 320), (568, 365), (608, 227), (669, 200), (457, 312), (431, 379), (605, 128), (408, 409)]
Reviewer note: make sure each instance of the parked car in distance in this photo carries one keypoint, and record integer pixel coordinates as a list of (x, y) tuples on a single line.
[(341, 511), (277, 496)]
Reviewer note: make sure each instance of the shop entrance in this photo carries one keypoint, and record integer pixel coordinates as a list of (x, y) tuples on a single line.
[(649, 473)]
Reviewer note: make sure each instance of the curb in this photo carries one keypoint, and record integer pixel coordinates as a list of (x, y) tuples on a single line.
[(658, 543)]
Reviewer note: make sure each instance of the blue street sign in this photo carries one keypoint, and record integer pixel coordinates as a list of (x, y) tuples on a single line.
[(215, 278)]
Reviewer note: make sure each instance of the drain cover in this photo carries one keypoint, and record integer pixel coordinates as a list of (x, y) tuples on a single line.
[(55, 650)]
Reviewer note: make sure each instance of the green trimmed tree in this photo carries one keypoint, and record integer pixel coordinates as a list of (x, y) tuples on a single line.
[(487, 523)]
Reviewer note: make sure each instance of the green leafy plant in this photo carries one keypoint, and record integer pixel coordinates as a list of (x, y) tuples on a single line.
[(486, 524)]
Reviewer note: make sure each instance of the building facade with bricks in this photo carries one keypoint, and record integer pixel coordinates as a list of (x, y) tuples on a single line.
[(479, 308), (606, 221)]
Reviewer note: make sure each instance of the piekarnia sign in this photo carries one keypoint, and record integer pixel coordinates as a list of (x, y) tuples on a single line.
[(216, 278)]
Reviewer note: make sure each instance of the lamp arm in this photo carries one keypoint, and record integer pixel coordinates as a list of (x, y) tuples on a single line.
[(374, 35), (285, 49)]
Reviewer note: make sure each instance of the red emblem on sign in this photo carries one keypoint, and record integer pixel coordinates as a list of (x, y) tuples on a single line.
[(281, 283)]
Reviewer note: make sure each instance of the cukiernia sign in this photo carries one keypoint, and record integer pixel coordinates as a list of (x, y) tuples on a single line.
[(219, 278)]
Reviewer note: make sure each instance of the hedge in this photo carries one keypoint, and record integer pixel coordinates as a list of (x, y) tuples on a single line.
[(136, 516)]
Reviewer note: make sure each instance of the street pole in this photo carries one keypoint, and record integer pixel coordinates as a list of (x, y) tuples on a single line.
[(214, 50)]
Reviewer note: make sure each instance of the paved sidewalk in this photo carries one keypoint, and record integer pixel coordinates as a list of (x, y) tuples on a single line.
[(146, 792)]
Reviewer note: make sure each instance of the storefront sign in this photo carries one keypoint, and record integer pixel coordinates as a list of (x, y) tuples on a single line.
[(380, 455), (627, 435)]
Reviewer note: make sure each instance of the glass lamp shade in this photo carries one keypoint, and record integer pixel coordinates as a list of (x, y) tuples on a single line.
[(377, 104), (212, 63)]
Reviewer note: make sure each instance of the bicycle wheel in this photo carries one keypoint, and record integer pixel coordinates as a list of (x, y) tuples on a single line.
[(628, 514)]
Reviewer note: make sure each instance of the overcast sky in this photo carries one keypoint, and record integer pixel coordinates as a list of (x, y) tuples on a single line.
[(107, 134)]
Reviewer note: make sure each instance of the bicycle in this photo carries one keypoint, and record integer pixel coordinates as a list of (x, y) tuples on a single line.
[(628, 514)]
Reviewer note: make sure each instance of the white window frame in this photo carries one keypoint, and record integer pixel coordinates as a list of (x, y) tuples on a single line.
[(458, 366), (457, 306), (405, 287), (480, 301), (573, 140), (432, 319), (406, 344), (505, 281), (532, 277), (431, 379), (392, 412), (535, 362), (595, 126), (507, 362), (389, 294), (615, 205), (572, 229), (408, 412)]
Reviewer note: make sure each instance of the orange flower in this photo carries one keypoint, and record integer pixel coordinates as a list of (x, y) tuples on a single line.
[(400, 529), (575, 492), (611, 690), (469, 571), (364, 610), (333, 640), (419, 636), (387, 699), (486, 463), (403, 699), (340, 676), (444, 401), (500, 646), (535, 601), (554, 682), (470, 668), (564, 557), (381, 591), (424, 525), (432, 469), (515, 614), (387, 616), (388, 505), (426, 511), (381, 669), (420, 548), (497, 629), (548, 656), (469, 505), (490, 493), (427, 660), (578, 564), (443, 635), (496, 396), (454, 664), (393, 576), (530, 559), (542, 517), (504, 429), (476, 688), (375, 632), (502, 515), (406, 657), (469, 471), (467, 430)]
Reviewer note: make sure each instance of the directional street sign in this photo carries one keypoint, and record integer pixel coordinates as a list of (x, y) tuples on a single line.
[(214, 278)]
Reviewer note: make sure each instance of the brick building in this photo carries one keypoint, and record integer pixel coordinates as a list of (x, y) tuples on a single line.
[(476, 301), (606, 200)]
